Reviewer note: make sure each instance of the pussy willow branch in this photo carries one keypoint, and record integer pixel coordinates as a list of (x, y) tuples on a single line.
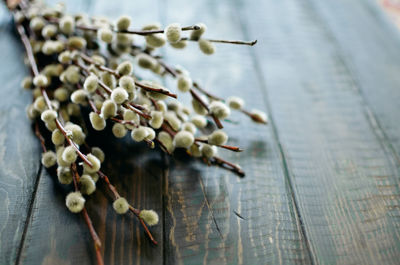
[(150, 32), (135, 211), (33, 64), (88, 221), (108, 90), (137, 83), (134, 32), (174, 74)]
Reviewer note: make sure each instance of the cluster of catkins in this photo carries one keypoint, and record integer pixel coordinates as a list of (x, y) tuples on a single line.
[(89, 62)]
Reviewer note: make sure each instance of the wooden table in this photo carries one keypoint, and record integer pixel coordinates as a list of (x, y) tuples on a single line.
[(322, 184)]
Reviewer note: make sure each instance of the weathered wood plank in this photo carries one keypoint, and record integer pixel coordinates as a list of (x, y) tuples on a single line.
[(344, 178), (19, 153), (56, 236), (201, 225), (370, 44)]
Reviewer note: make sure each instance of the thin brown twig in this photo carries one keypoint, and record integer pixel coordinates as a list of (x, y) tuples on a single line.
[(200, 100), (40, 136), (223, 162), (228, 147), (88, 221), (135, 211), (237, 42)]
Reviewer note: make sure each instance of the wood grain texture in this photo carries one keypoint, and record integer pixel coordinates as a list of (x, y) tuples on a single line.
[(56, 236), (201, 225), (370, 46), (19, 149), (344, 177)]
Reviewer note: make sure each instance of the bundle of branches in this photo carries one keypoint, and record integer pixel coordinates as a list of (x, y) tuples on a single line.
[(86, 63)]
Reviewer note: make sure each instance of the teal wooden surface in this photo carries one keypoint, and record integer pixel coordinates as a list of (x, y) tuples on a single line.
[(322, 184)]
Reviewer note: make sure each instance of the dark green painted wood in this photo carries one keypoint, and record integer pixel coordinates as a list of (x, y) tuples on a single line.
[(370, 44), (201, 201), (344, 177), (19, 149)]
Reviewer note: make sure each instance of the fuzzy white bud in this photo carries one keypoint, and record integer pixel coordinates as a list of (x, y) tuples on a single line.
[(119, 130), (184, 83), (172, 120), (39, 104), (146, 61), (26, 82), (96, 164), (49, 159), (64, 175), (150, 217), (166, 140), (199, 121), (57, 137), (40, 81), (198, 107), (195, 150), (64, 57), (208, 150), (69, 155), (98, 123), (49, 31), (235, 102), (123, 23), (206, 46), (218, 137), (139, 134), (173, 32), (179, 45), (125, 68), (183, 139), (87, 184), (36, 23), (105, 34), (78, 96), (75, 202), (90, 84), (109, 109), (155, 40), (108, 79), (120, 205), (67, 25), (190, 127), (119, 95), (127, 83), (219, 109), (196, 34), (157, 119), (97, 152), (48, 115), (259, 116)]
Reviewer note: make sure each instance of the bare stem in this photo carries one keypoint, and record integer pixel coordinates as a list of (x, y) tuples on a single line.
[(237, 42), (223, 162), (40, 136), (198, 98), (229, 147), (135, 211), (88, 221)]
